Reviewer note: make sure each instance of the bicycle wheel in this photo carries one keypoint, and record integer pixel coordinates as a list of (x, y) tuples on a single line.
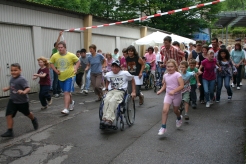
[(151, 81)]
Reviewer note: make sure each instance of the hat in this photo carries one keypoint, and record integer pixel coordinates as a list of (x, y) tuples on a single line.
[(238, 40), (117, 62)]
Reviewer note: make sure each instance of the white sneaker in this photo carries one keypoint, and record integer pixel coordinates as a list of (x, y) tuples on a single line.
[(162, 131), (65, 111), (232, 85), (82, 87), (211, 102), (85, 91), (241, 84), (104, 89), (207, 104), (238, 88), (56, 95), (179, 122), (82, 91), (71, 106)]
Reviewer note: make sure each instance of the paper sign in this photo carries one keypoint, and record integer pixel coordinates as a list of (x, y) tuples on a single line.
[(138, 81)]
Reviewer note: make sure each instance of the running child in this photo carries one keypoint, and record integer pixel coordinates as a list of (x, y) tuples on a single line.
[(193, 83), (19, 100), (44, 76), (173, 83), (209, 76), (226, 73), (186, 76)]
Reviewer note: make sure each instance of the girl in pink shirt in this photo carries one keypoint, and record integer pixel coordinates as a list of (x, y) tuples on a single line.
[(173, 84), (123, 64), (209, 76)]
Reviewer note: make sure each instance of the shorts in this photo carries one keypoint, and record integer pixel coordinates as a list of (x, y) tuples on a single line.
[(186, 96), (175, 99), (13, 108), (67, 85)]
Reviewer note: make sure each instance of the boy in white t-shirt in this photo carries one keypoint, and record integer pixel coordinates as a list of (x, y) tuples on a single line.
[(116, 85)]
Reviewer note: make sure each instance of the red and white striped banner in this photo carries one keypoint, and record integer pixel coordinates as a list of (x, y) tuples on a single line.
[(147, 17)]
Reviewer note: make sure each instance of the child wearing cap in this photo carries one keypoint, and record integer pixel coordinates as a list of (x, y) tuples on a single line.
[(116, 85)]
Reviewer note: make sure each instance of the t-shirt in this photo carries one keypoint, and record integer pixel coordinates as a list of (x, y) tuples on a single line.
[(149, 58), (146, 68), (44, 80), (96, 63), (65, 64), (83, 62), (115, 56), (193, 79), (18, 83), (119, 80), (133, 66), (157, 57), (123, 63), (216, 51), (237, 56), (54, 50), (209, 66), (109, 63), (187, 77), (171, 81)]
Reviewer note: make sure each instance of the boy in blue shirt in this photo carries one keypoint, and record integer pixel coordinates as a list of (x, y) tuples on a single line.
[(186, 90)]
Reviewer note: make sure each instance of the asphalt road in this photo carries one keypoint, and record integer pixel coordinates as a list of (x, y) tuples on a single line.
[(212, 135)]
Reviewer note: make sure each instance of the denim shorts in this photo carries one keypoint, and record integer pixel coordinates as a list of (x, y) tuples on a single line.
[(67, 85)]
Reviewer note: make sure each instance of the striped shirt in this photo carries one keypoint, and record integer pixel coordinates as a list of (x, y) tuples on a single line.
[(172, 53)]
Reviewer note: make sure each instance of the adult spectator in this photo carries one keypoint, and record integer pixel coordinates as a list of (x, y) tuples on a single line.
[(171, 52), (197, 51), (95, 63), (151, 58), (66, 71)]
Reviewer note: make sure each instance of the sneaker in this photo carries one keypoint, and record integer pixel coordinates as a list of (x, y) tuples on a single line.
[(141, 98), (217, 101), (193, 106), (211, 102), (35, 123), (241, 84), (50, 102), (229, 98), (162, 131), (85, 91), (238, 88), (207, 104), (8, 134), (103, 89), (71, 107), (82, 87), (65, 111), (179, 122), (82, 91), (232, 85), (186, 117), (56, 95), (44, 107)]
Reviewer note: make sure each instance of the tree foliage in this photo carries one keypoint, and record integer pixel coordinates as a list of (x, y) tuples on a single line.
[(181, 23)]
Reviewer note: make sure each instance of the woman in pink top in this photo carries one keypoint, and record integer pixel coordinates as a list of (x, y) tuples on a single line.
[(173, 84), (123, 64), (209, 76), (151, 58)]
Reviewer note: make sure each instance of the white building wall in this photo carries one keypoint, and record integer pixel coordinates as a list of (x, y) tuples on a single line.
[(105, 43)]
